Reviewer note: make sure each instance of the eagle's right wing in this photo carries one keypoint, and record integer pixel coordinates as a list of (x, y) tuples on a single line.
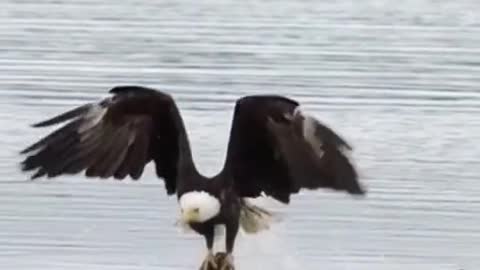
[(115, 137)]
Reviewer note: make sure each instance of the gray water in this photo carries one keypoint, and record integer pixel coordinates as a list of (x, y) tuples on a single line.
[(399, 79)]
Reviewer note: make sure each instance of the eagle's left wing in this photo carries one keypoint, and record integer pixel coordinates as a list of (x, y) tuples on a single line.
[(277, 150)]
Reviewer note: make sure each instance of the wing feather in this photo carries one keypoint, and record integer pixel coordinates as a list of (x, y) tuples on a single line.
[(114, 137), (277, 150), (58, 135), (74, 113), (111, 161), (106, 153)]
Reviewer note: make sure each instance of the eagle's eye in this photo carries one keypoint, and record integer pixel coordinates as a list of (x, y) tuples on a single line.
[(196, 210)]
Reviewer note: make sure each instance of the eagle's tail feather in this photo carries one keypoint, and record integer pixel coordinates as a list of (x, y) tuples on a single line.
[(254, 219)]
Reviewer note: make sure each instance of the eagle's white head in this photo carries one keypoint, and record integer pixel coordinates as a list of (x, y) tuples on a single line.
[(198, 206)]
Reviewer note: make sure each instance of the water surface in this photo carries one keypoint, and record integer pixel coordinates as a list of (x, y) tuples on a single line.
[(400, 82)]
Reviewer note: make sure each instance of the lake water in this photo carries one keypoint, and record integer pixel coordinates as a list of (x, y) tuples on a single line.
[(399, 80)]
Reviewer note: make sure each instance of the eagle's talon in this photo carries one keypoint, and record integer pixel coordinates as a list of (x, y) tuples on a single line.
[(210, 261), (227, 263)]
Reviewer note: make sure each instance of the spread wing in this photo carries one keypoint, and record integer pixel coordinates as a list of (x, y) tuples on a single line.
[(277, 150), (115, 137)]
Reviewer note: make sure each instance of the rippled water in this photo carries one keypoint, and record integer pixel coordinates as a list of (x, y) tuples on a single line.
[(400, 80)]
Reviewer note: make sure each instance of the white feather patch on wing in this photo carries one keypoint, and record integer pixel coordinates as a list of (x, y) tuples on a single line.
[(309, 130), (92, 117), (297, 110)]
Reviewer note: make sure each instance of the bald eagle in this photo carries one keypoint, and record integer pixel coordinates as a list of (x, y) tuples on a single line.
[(274, 150)]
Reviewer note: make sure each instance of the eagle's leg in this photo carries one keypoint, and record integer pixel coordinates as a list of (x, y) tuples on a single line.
[(209, 262), (231, 234)]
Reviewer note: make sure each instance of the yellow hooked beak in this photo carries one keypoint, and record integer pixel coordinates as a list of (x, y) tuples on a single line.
[(190, 215)]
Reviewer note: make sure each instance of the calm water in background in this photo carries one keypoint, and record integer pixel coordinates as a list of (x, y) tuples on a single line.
[(399, 80)]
